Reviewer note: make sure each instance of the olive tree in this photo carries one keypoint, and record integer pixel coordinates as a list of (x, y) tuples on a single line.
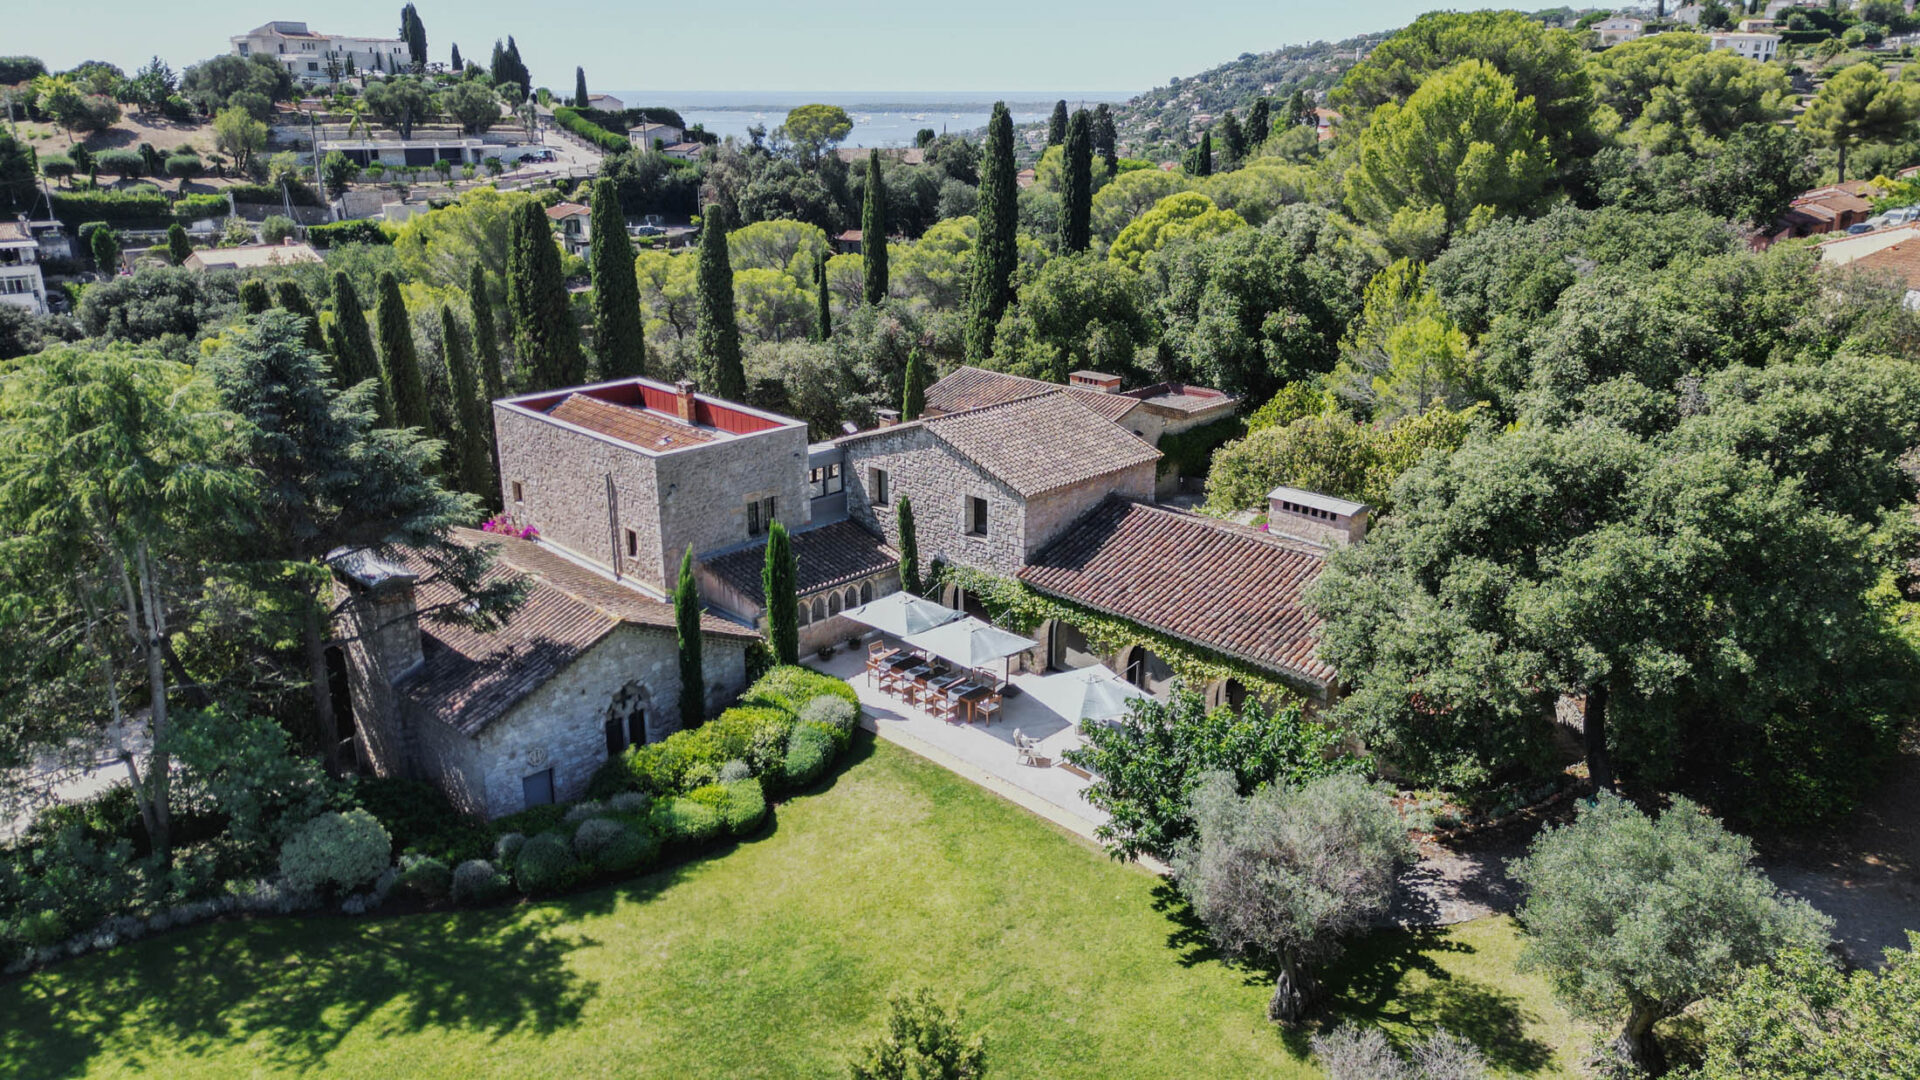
[(1639, 916), (1282, 875)]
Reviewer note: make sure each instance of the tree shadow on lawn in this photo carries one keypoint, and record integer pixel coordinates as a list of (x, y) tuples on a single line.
[(1366, 986), (295, 989)]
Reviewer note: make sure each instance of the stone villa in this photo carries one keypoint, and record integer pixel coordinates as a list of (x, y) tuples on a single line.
[(1057, 486)]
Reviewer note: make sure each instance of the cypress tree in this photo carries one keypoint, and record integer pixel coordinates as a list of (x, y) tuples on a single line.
[(873, 231), (486, 340), (909, 549), (106, 250), (178, 246), (1076, 194), (579, 88), (473, 456), (455, 63), (716, 336), (994, 253), (824, 325), (913, 397), (254, 297), (1259, 123), (686, 621), (1057, 124), (543, 332), (1203, 155), (1234, 141), (618, 335), (399, 360), (1106, 136), (291, 297), (354, 361), (1300, 110), (783, 603)]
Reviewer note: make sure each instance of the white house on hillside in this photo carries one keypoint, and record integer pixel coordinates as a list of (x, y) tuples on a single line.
[(1761, 47), (1618, 29), (306, 52), (20, 280)]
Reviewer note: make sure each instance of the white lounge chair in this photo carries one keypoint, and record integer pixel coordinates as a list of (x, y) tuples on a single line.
[(1023, 749)]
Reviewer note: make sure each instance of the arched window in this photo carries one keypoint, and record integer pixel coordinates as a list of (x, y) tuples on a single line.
[(802, 614), (853, 598), (627, 718), (833, 604), (866, 592), (819, 609)]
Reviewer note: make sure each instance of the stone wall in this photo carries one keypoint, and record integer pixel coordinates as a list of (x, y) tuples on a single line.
[(380, 644), (834, 630), (1050, 514), (937, 480), (704, 490), (563, 476)]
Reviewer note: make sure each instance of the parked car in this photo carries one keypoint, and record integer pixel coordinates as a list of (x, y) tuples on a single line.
[(536, 157), (1862, 227)]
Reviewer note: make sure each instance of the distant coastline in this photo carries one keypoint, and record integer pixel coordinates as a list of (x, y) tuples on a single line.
[(881, 118)]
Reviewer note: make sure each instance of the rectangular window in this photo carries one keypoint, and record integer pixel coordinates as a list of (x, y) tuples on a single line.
[(976, 516), (824, 481), (518, 494), (759, 516), (877, 487), (537, 790), (633, 544)]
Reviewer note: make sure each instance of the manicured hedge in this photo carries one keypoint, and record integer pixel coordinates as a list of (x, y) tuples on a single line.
[(611, 142), (348, 232), (297, 190), (114, 207), (194, 207)]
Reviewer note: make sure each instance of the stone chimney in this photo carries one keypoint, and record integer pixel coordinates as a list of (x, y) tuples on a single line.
[(886, 417), (683, 401), (381, 612), (1095, 380), (1316, 518)]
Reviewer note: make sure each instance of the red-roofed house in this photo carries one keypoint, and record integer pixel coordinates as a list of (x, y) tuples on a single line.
[(575, 223)]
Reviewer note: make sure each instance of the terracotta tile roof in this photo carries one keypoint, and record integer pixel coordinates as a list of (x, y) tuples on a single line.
[(826, 557), (974, 388), (1041, 443), (560, 211), (643, 428), (14, 230), (1901, 260), (470, 680), (1218, 585)]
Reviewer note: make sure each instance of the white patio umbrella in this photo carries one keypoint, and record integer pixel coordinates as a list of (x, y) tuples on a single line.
[(901, 614), (1088, 693), (969, 642)]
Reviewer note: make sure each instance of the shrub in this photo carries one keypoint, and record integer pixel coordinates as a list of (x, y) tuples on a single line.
[(754, 734), (56, 166), (735, 770), (630, 802), (421, 820), (193, 208), (611, 142), (348, 232), (580, 812), (746, 806), (922, 1039), (593, 835), (1354, 1053), (122, 163), (790, 687), (337, 851), (277, 228), (834, 712), (477, 882), (545, 864), (682, 820), (532, 820), (184, 166), (424, 876), (809, 751), (297, 190), (144, 207), (507, 848)]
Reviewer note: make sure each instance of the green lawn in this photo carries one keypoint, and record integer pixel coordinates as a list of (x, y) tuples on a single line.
[(772, 959)]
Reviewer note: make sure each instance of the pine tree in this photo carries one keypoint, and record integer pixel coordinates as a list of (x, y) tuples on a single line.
[(1076, 191), (909, 549), (913, 396), (579, 88), (686, 621), (254, 297), (783, 602), (1259, 121), (618, 334), (873, 231), (472, 445), (1203, 155), (291, 297), (1233, 140), (486, 340), (178, 246), (716, 335), (1106, 136), (399, 360), (544, 336), (994, 253), (1299, 110), (454, 64), (1057, 124), (354, 360), (823, 325)]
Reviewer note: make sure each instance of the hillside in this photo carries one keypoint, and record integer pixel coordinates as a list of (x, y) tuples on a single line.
[(1161, 117)]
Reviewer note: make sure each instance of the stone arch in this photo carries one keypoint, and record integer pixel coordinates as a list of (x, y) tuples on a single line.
[(819, 609), (1229, 692), (833, 604), (853, 598), (801, 611), (866, 592), (1140, 666), (626, 717)]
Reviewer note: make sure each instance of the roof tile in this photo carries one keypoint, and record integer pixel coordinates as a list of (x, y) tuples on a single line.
[(825, 557), (1038, 444)]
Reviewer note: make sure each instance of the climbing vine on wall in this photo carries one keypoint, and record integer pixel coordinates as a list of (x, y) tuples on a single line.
[(1020, 608)]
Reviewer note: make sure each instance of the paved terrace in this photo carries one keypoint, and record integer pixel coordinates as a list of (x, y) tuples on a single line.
[(983, 754)]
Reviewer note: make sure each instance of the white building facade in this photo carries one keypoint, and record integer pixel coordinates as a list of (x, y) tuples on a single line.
[(1761, 47), (307, 53), (21, 283)]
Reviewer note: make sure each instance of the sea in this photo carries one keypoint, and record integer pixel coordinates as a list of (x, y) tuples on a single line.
[(880, 118)]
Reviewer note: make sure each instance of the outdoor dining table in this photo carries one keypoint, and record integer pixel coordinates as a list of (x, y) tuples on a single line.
[(971, 699)]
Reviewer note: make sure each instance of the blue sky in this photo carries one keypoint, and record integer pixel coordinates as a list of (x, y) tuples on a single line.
[(1001, 46)]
